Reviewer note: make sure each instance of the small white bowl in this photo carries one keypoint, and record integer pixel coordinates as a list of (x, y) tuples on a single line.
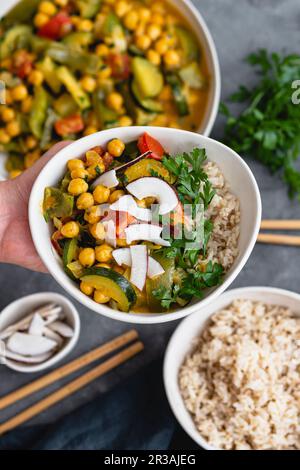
[(235, 170), (180, 345), (22, 307)]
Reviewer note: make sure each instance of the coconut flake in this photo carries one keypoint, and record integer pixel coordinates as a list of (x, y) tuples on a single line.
[(128, 204), (147, 232), (108, 179), (62, 329), (149, 186), (36, 325), (154, 268), (30, 345), (122, 256), (139, 259)]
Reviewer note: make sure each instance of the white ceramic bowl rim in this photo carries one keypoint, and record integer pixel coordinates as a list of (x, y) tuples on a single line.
[(40, 298), (174, 397), (58, 273)]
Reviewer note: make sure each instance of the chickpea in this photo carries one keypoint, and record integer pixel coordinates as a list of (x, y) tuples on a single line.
[(115, 195), (74, 164), (161, 46), (98, 231), (87, 257), (104, 74), (172, 59), (4, 137), (154, 31), (13, 128), (77, 186), (125, 121), (40, 20), (26, 105), (86, 288), (31, 158), (102, 50), (121, 242), (7, 114), (88, 83), (85, 201), (36, 77), (121, 8), (31, 142), (92, 215), (116, 147), (144, 14), (143, 42), (79, 173), (61, 3), (85, 25), (131, 20), (153, 57), (114, 100), (92, 157), (103, 253), (158, 18), (90, 130), (100, 298), (19, 93), (101, 194), (96, 169), (48, 8), (70, 229)]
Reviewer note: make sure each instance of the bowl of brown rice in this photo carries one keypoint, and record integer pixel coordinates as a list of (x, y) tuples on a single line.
[(231, 371)]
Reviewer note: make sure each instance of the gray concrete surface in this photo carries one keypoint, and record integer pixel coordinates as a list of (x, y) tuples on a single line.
[(238, 27)]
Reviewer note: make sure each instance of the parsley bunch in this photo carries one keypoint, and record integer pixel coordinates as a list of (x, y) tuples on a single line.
[(269, 127)]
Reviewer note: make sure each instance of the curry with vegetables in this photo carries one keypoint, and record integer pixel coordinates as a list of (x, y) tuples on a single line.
[(122, 231), (73, 67)]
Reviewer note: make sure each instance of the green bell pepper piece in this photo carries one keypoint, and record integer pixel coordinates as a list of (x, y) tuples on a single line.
[(22, 12), (72, 85), (74, 58), (38, 112), (48, 68), (57, 203), (16, 37), (88, 8)]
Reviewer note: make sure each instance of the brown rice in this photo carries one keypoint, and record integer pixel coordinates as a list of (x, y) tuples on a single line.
[(241, 382)]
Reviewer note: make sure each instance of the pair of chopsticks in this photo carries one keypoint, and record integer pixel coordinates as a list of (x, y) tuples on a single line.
[(278, 239), (76, 384)]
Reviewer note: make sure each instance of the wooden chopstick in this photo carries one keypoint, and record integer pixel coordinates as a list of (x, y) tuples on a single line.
[(68, 369), (71, 387), (278, 239), (280, 225)]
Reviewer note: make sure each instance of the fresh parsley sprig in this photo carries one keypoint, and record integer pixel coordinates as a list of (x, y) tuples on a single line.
[(269, 127)]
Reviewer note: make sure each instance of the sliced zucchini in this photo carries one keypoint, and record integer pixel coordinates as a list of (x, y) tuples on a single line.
[(179, 98), (147, 77), (75, 270), (188, 43), (139, 115), (16, 37), (69, 254), (78, 39), (148, 104), (105, 115), (165, 280), (72, 85), (57, 203), (48, 68), (88, 8), (147, 167), (192, 76), (112, 284)]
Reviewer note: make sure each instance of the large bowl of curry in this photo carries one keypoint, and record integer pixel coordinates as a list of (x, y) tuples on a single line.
[(73, 67)]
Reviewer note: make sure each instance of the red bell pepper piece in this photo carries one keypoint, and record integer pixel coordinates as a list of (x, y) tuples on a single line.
[(120, 65), (69, 125), (56, 27), (146, 143)]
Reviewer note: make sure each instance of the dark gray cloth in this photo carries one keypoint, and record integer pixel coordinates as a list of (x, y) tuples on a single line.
[(135, 415)]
